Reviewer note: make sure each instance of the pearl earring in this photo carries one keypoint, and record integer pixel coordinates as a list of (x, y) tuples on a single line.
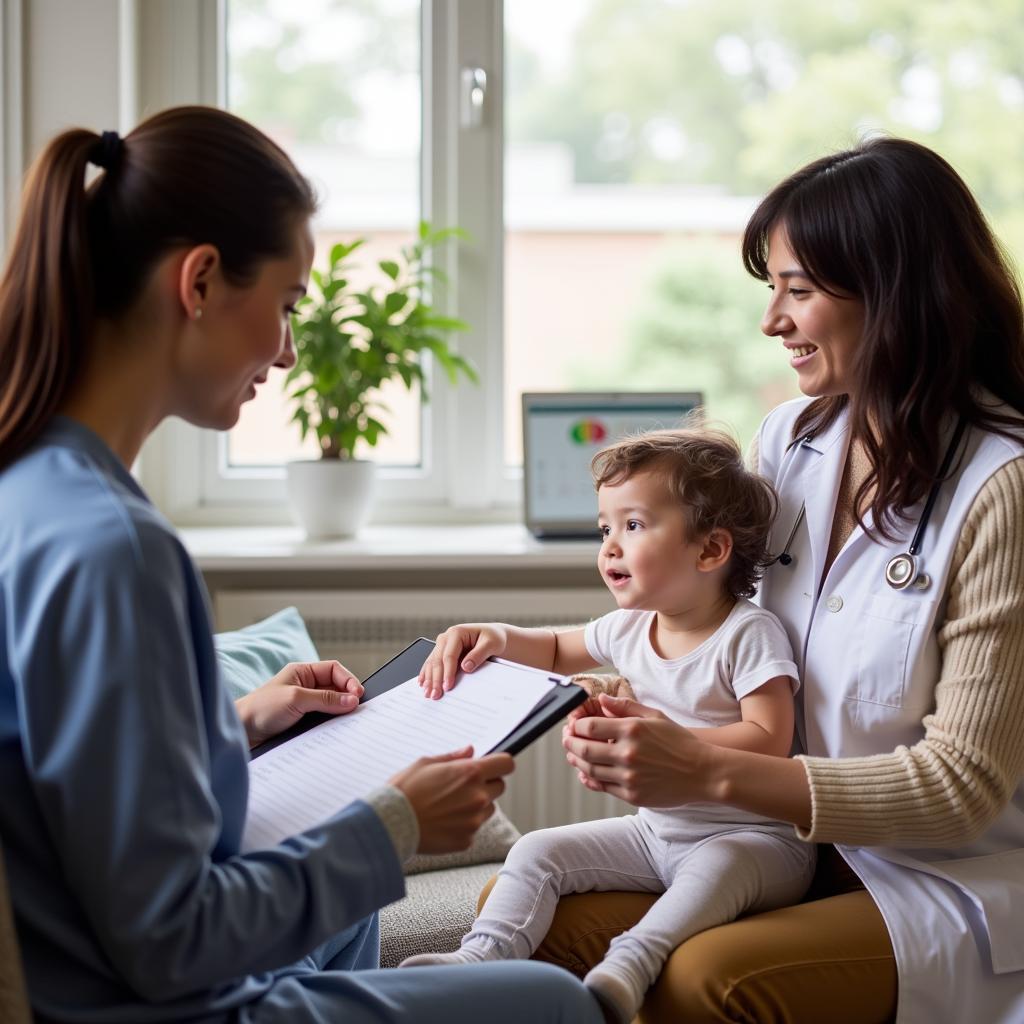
[(198, 314)]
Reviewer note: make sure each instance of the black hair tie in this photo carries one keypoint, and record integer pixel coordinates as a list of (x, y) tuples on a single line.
[(106, 153)]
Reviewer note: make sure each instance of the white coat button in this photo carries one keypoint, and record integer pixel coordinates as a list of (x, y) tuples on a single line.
[(834, 603)]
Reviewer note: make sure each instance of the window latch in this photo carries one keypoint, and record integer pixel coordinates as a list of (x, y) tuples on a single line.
[(474, 92)]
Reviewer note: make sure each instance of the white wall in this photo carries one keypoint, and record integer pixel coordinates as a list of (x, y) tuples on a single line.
[(61, 64), (99, 64), (71, 65)]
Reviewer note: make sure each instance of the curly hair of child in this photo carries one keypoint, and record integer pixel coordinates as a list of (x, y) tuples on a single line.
[(703, 468)]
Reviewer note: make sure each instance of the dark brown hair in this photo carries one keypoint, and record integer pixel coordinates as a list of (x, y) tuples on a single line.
[(704, 470), (187, 176), (891, 224)]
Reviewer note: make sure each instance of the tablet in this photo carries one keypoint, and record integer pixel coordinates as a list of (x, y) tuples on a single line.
[(407, 663), (563, 431)]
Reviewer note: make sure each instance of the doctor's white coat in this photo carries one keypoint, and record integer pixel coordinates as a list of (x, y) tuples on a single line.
[(869, 662)]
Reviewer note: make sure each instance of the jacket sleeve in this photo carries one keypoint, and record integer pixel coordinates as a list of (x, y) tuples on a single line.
[(949, 787), (136, 767)]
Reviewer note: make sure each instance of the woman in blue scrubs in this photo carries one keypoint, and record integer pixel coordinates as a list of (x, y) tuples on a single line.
[(164, 288)]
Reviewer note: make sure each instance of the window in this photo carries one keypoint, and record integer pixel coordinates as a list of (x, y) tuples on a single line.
[(621, 149), (622, 216), (338, 87)]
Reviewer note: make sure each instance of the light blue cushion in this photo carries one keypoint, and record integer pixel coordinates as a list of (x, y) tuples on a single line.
[(248, 657)]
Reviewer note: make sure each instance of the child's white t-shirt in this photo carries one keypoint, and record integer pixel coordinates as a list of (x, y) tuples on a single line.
[(702, 688)]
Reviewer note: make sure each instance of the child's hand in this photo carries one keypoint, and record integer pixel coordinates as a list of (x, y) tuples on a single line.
[(590, 708), (481, 640), (595, 685)]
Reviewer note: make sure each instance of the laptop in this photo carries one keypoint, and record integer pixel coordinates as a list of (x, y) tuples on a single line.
[(563, 431)]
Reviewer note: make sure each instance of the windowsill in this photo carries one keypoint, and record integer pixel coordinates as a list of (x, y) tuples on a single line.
[(469, 546)]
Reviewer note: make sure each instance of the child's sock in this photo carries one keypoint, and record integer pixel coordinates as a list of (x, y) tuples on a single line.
[(619, 989), (475, 951)]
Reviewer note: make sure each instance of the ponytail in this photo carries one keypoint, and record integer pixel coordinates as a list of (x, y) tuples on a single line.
[(46, 293), (184, 177)]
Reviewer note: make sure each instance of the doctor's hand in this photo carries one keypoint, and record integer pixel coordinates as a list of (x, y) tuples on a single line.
[(636, 753), (453, 795), (279, 703), (481, 640)]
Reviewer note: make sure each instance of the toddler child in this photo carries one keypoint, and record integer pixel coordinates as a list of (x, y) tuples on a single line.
[(685, 530)]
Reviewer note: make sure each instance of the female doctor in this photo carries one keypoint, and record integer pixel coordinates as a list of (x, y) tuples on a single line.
[(164, 288), (899, 575)]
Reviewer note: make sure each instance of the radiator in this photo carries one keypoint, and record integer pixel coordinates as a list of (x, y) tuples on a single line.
[(364, 629)]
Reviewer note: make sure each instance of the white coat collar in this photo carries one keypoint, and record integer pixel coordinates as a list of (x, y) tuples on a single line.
[(822, 475), (837, 432)]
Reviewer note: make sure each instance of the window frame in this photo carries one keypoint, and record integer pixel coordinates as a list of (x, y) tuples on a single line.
[(463, 476), (11, 117)]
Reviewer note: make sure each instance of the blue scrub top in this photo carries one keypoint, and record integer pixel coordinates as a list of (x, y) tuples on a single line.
[(123, 768)]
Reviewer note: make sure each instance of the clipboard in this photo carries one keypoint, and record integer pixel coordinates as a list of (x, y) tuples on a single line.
[(559, 701)]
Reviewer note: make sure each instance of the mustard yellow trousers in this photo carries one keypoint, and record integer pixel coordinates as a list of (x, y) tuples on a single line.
[(827, 960)]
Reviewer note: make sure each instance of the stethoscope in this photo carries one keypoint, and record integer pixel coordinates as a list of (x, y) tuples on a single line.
[(904, 570)]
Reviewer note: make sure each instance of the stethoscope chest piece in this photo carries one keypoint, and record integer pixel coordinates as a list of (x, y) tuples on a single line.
[(901, 573)]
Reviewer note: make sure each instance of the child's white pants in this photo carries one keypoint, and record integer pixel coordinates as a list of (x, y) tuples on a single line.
[(706, 882)]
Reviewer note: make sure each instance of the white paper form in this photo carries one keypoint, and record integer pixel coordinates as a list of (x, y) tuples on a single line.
[(311, 777)]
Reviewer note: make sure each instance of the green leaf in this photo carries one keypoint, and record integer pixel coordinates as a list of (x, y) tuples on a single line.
[(394, 302), (373, 430), (407, 371), (446, 323), (467, 368), (340, 251), (435, 272), (433, 238), (333, 288), (390, 267)]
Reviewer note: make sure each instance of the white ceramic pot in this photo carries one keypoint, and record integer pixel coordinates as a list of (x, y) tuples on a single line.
[(330, 497)]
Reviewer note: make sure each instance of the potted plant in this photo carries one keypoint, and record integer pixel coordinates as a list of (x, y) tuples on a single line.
[(348, 343)]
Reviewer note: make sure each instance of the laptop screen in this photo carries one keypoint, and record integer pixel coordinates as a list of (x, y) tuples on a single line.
[(563, 431)]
